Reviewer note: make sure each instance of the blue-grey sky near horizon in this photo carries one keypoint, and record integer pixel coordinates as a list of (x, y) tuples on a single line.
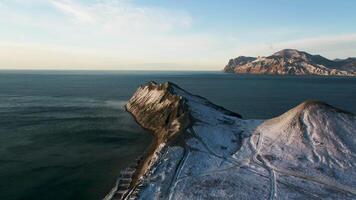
[(168, 34)]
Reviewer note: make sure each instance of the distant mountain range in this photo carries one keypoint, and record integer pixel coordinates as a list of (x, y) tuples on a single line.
[(292, 62)]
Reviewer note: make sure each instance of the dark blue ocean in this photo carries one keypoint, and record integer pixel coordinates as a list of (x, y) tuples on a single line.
[(66, 135)]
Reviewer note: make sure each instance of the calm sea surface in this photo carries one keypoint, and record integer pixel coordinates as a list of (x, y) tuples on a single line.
[(65, 135)]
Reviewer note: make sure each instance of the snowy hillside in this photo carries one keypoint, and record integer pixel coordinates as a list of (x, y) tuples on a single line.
[(212, 153)]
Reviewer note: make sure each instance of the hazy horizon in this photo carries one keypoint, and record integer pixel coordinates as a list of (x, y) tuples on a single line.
[(167, 35)]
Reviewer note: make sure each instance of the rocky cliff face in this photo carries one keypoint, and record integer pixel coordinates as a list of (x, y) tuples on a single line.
[(241, 60), (158, 109), (292, 62), (203, 151)]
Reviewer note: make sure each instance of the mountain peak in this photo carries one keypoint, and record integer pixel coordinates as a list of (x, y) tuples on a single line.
[(291, 53), (292, 62)]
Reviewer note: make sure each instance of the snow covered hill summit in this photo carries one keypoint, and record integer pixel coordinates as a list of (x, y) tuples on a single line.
[(203, 151)]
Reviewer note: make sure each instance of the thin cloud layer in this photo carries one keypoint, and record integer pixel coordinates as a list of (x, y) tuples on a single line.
[(330, 46), (124, 34), (123, 16)]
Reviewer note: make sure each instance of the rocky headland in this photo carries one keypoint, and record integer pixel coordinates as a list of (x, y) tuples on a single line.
[(203, 151), (292, 62)]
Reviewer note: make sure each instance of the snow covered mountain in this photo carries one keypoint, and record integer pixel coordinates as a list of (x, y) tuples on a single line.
[(203, 151), (293, 62)]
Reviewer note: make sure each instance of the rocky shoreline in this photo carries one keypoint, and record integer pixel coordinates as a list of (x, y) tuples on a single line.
[(123, 183)]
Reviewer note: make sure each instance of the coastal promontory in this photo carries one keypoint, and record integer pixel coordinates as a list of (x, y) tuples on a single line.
[(203, 151), (292, 62)]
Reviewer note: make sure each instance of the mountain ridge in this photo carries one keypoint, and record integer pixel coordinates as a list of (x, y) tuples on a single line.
[(292, 62)]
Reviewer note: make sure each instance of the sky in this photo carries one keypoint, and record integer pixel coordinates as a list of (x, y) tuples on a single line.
[(168, 34)]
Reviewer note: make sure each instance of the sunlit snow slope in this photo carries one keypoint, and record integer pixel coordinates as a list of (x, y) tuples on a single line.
[(211, 153)]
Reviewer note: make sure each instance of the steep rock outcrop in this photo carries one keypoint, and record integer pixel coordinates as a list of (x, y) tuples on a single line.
[(241, 60), (158, 109)]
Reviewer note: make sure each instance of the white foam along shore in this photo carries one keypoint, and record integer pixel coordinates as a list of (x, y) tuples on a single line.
[(203, 151)]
